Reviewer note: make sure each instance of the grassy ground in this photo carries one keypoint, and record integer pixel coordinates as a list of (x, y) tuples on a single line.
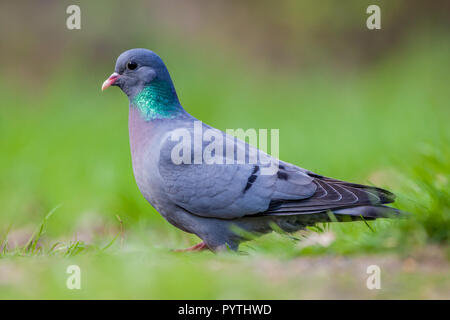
[(64, 148)]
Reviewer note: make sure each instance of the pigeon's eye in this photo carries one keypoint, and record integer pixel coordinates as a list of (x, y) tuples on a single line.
[(131, 65)]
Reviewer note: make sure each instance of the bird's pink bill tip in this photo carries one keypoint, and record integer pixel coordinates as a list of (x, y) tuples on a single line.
[(110, 81)]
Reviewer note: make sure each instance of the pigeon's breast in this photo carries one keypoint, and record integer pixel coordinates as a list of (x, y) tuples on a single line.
[(144, 154)]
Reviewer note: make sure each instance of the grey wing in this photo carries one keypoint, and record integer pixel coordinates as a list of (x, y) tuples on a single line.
[(227, 189)]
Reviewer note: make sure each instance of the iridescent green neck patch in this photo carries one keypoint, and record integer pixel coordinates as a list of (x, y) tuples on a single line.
[(157, 101)]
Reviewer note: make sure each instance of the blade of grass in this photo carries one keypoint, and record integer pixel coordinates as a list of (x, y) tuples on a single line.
[(32, 242)]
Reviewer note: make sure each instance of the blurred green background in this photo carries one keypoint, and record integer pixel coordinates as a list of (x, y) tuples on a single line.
[(370, 106)]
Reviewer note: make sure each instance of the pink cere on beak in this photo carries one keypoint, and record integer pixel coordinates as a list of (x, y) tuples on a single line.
[(110, 81)]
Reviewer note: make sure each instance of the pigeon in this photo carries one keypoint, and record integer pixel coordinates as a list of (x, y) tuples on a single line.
[(233, 195)]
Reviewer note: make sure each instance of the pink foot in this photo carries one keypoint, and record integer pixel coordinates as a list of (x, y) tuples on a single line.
[(198, 247)]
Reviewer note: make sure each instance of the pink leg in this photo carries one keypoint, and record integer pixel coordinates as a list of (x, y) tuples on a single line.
[(198, 247)]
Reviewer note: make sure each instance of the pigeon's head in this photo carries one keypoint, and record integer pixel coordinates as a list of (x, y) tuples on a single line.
[(136, 69)]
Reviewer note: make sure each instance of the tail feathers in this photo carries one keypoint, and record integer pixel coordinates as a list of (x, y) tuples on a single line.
[(331, 195), (292, 223), (370, 212)]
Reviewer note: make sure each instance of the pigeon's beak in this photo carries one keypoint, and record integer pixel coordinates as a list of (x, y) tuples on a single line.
[(110, 81)]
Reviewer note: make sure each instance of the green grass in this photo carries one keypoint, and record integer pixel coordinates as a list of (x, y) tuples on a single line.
[(66, 175)]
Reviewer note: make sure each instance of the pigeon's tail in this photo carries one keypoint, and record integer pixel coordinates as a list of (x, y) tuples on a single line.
[(369, 212), (333, 201), (340, 197), (297, 222)]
